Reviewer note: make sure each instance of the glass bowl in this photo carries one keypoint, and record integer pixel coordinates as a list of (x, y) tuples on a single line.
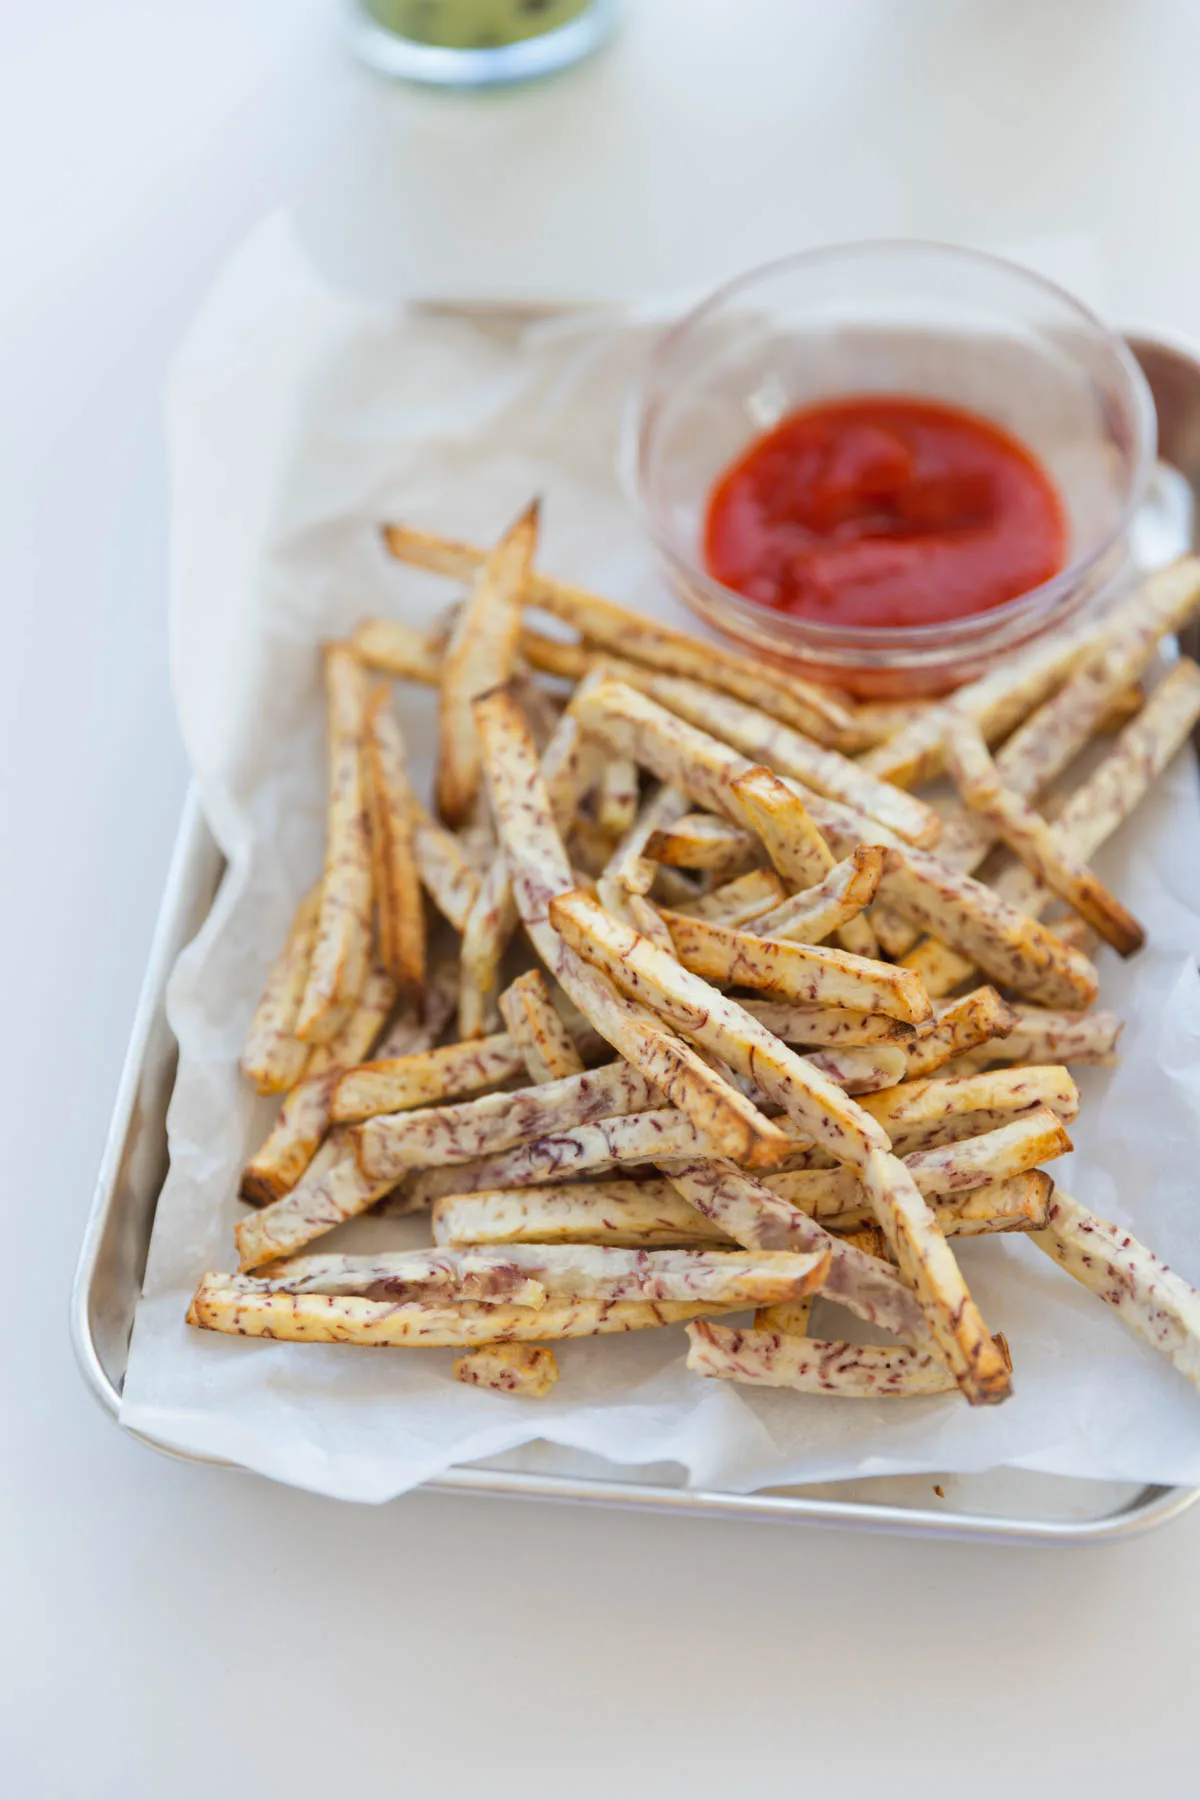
[(928, 321)]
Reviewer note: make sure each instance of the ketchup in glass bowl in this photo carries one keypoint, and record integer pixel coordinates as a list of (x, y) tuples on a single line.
[(890, 464), (884, 511)]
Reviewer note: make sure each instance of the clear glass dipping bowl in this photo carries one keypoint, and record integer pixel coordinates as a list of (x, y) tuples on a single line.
[(920, 319)]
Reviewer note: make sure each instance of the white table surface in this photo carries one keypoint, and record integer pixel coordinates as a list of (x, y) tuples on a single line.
[(171, 1631)]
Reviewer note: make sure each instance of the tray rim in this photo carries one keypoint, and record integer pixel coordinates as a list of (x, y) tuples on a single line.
[(194, 845)]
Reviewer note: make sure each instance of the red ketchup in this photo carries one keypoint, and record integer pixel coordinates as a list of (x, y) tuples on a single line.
[(884, 511)]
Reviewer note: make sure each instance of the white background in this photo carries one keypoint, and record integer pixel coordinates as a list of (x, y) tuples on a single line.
[(167, 1630)]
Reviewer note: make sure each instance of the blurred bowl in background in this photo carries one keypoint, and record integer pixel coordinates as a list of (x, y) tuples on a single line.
[(477, 43)]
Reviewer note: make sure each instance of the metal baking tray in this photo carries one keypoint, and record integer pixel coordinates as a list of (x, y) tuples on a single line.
[(997, 1506)]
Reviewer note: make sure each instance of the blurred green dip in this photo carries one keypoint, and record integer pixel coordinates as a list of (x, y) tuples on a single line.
[(473, 24)]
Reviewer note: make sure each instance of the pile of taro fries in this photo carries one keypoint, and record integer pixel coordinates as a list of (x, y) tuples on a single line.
[(732, 1020)]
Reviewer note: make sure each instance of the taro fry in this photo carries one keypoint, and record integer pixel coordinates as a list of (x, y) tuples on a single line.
[(1141, 752), (396, 1084), (781, 1359), (389, 1145), (1017, 1203), (831, 1025), (948, 1128), (647, 919), (702, 841), (342, 947), (927, 1264), (616, 795), (978, 1018), (978, 923), (707, 836), (802, 704), (1012, 1203), (529, 1370), (1124, 704), (304, 1116), (429, 1275), (273, 1058), (1038, 1036), (1076, 932), (446, 873), (541, 709), (330, 1319), (633, 1214), (740, 901), (916, 1103), (568, 766), (399, 906), (832, 905), (1030, 1137), (486, 931), (1151, 1298), (630, 868), (634, 1138), (294, 1140), (1046, 743), (810, 974), (530, 1274), (879, 721), (861, 1069), (332, 1190), (1036, 843), (795, 846), (415, 1028), (402, 651), (779, 815), (590, 848), (481, 655), (556, 656), (536, 1027), (793, 1317)]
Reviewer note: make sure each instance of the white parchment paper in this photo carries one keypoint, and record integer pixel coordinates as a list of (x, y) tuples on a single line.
[(299, 420)]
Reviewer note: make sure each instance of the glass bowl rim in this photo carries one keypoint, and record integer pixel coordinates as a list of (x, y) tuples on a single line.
[(811, 634)]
